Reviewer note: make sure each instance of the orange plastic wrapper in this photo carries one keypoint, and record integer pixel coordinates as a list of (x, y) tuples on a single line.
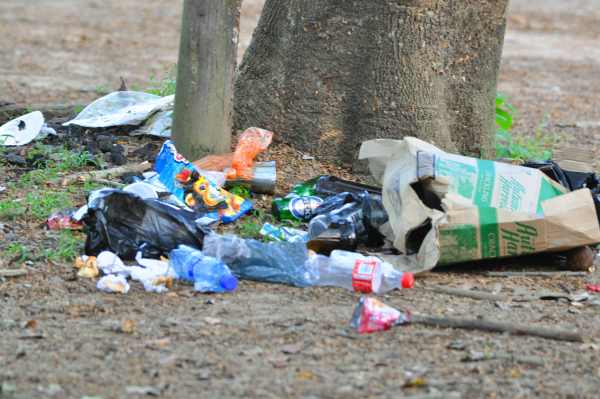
[(252, 142), (217, 163)]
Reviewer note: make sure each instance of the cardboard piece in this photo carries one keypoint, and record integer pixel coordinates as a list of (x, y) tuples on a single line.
[(445, 208)]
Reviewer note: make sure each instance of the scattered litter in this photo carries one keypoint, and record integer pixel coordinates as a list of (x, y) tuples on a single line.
[(207, 273), (124, 223), (592, 288), (449, 202), (22, 130), (63, 220), (128, 326), (184, 181), (88, 267), (113, 284), (251, 142), (371, 315), (283, 233), (110, 263), (121, 108)]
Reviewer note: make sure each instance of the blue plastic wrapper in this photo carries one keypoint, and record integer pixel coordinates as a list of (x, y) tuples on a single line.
[(186, 183)]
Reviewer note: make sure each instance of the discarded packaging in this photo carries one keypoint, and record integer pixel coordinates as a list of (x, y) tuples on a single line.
[(346, 220), (283, 233), (356, 272), (372, 315), (63, 220), (182, 179), (332, 185), (113, 284), (87, 266), (121, 108), (446, 208), (22, 130), (126, 223), (264, 178), (251, 143), (275, 262), (207, 273), (158, 125)]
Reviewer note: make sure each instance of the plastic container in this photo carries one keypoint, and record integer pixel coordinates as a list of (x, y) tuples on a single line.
[(356, 272), (207, 273)]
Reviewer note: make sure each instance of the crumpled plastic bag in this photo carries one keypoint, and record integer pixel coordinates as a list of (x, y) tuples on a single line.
[(121, 108), (182, 179), (240, 163), (126, 223), (252, 142)]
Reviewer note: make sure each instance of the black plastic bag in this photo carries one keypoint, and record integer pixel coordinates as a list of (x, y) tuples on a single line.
[(125, 223)]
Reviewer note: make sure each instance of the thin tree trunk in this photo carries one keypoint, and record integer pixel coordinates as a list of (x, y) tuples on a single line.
[(206, 70), (326, 75)]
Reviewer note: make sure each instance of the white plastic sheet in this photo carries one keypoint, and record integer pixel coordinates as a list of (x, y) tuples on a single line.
[(122, 108)]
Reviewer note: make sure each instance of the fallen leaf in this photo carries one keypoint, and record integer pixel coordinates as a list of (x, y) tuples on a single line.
[(128, 326), (305, 375), (418, 382), (158, 343), (31, 324)]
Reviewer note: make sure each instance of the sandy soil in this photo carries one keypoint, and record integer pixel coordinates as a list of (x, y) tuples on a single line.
[(269, 340)]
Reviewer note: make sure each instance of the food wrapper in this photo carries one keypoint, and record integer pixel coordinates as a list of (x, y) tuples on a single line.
[(63, 220), (184, 181), (372, 315), (445, 208)]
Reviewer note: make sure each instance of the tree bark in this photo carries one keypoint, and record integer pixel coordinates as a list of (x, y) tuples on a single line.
[(206, 72), (326, 75)]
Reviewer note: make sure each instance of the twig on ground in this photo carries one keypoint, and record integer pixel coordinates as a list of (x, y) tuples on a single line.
[(105, 174), (537, 274), (493, 326), (466, 293), (12, 272)]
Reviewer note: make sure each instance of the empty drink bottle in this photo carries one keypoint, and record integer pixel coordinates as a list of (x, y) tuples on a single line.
[(207, 273), (353, 271)]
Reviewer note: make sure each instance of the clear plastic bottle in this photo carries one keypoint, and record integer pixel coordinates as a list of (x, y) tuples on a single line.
[(356, 272), (207, 273)]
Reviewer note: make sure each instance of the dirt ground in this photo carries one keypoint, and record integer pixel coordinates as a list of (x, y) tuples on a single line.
[(271, 340)]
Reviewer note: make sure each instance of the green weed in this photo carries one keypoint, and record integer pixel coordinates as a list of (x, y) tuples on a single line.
[(11, 209), (69, 246), (41, 204), (165, 86), (241, 191), (538, 147), (250, 226), (17, 252)]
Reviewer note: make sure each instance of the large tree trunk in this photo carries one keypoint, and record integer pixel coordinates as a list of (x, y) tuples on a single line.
[(326, 75)]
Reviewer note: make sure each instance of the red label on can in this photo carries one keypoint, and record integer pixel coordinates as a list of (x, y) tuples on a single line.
[(363, 275)]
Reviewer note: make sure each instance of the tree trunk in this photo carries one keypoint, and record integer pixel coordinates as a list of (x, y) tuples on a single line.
[(326, 75), (205, 76)]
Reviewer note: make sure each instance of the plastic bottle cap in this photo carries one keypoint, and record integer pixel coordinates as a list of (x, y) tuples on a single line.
[(407, 280), (229, 283)]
